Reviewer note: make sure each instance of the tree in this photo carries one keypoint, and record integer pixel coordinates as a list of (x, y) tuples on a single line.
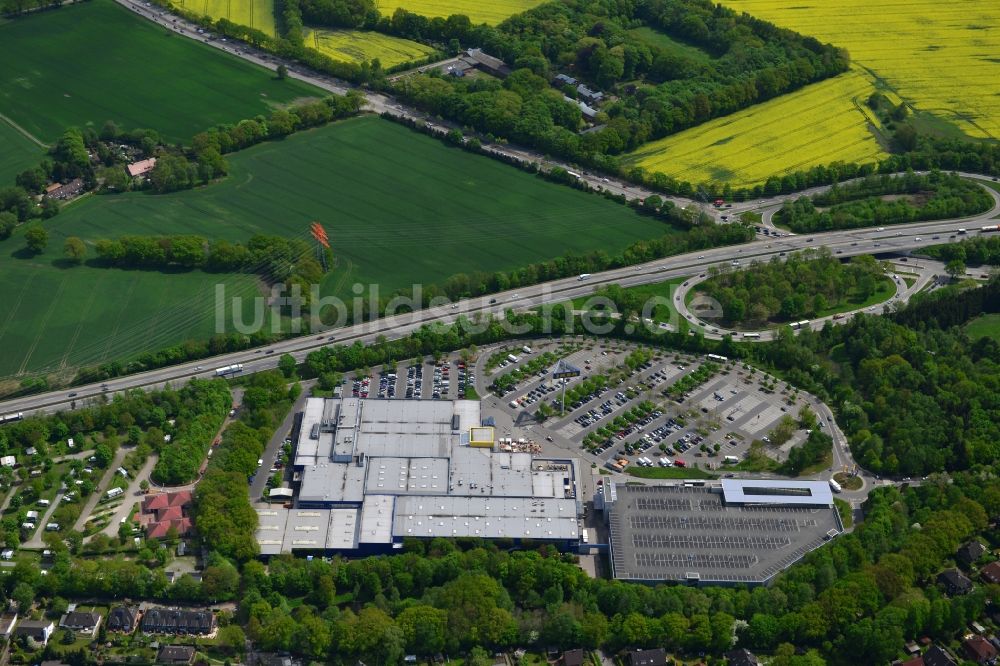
[(287, 365), (282, 72), (24, 595), (36, 238), (955, 268), (8, 221), (75, 250), (232, 638)]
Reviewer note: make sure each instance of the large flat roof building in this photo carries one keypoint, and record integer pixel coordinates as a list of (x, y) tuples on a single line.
[(370, 473), (738, 531)]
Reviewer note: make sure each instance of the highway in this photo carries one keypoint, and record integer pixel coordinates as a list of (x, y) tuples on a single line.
[(897, 238)]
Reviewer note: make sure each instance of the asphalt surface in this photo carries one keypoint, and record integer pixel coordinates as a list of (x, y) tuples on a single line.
[(894, 239)]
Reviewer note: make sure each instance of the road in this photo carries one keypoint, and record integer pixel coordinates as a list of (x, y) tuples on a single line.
[(275, 443), (898, 238), (101, 487), (132, 495)]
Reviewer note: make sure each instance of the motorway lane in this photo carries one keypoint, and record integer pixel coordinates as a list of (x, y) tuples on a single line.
[(848, 242), (851, 242)]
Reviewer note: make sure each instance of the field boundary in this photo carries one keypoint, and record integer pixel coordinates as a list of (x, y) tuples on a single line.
[(28, 135)]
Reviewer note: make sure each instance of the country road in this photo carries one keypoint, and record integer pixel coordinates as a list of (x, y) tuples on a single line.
[(896, 239)]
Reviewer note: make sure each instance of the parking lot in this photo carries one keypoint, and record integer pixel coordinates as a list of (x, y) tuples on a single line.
[(445, 380), (622, 412), (619, 413)]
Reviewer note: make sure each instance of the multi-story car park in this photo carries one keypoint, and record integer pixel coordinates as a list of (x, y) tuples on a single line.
[(737, 531)]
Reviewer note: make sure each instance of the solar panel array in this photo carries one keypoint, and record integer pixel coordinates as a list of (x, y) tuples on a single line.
[(687, 533)]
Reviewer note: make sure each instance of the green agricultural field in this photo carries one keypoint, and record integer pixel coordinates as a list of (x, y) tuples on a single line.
[(59, 318), (257, 14), (17, 153), (108, 64), (477, 10), (399, 207), (985, 326), (361, 45)]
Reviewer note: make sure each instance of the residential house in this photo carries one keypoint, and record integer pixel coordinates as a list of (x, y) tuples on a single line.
[(573, 657), (38, 631), (991, 573), (564, 80), (163, 511), (67, 191), (175, 621), (741, 657), (915, 661), (141, 168), (82, 623), (588, 95), (980, 650), (175, 654), (123, 619), (938, 656), (970, 552), (272, 659), (8, 461), (7, 621), (954, 582), (655, 657)]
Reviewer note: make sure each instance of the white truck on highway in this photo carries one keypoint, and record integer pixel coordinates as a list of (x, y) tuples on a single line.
[(236, 368), (583, 276), (16, 416)]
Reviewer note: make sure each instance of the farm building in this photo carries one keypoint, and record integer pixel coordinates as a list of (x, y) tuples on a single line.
[(371, 473), (494, 66)]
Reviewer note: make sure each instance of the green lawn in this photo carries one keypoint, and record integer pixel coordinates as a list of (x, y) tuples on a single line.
[(668, 472), (659, 311), (985, 326), (95, 61), (661, 40), (17, 153), (399, 207)]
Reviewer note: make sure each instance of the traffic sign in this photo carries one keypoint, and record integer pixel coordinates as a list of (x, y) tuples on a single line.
[(564, 370)]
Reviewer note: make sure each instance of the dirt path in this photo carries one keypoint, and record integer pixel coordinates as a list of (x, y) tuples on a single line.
[(27, 135)]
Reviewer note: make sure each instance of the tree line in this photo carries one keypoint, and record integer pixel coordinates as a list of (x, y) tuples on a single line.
[(593, 43), (223, 516), (864, 203), (180, 459), (913, 394), (977, 251), (858, 598), (783, 289)]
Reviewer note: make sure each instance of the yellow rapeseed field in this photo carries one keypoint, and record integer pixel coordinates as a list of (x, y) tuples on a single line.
[(258, 14), (822, 123), (477, 10), (359, 45), (940, 57)]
